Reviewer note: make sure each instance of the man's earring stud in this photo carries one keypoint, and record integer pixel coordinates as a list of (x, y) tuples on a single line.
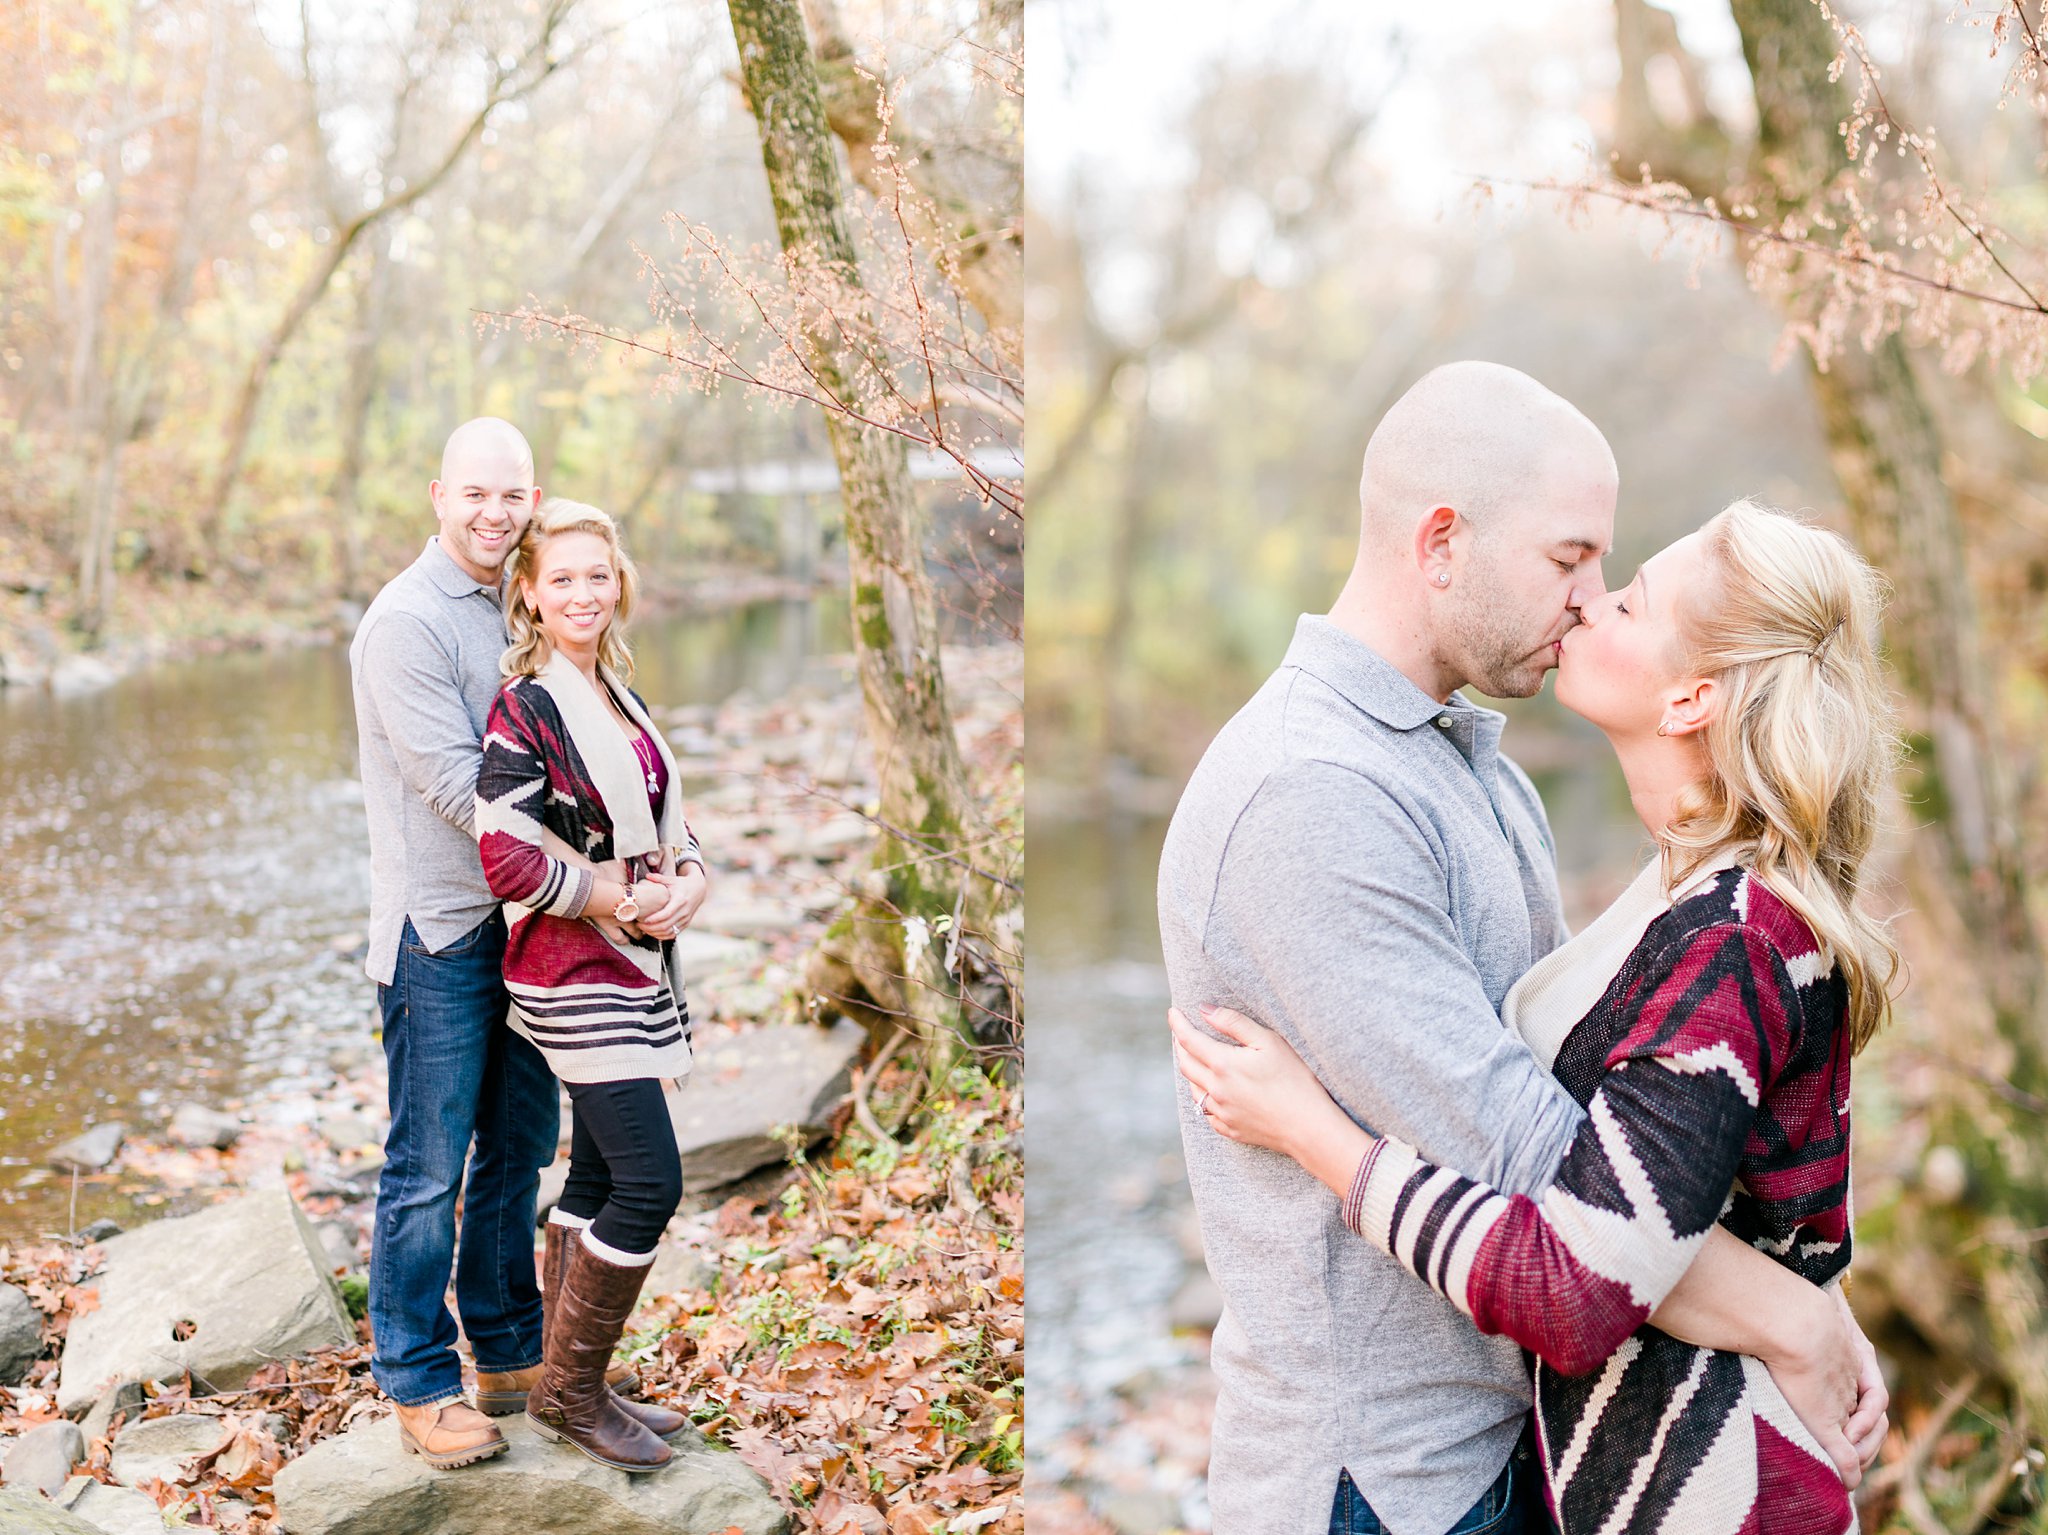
[(1443, 578)]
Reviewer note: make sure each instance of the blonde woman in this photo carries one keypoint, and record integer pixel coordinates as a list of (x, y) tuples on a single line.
[(1705, 1022), (583, 838)]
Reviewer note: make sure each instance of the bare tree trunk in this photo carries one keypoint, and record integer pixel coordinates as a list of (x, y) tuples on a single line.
[(986, 265), (1682, 140), (1886, 451), (95, 387), (506, 85), (673, 441), (1130, 539), (556, 365), (930, 818), (310, 292), (365, 335), (127, 390)]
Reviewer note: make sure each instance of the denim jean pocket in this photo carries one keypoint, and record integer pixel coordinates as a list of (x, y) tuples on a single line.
[(414, 944), (1492, 1513)]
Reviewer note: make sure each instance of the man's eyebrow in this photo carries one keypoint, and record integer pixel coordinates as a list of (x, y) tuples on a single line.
[(1583, 545)]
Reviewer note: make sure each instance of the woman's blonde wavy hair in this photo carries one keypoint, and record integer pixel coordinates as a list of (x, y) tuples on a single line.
[(530, 648), (1803, 743)]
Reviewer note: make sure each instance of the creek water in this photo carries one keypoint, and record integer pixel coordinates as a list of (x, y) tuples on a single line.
[(187, 882), (1106, 1197)]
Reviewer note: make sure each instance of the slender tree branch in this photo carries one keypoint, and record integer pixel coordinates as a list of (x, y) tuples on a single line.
[(1646, 200)]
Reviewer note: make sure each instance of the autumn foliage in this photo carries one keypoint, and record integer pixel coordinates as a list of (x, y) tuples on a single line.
[(861, 1346)]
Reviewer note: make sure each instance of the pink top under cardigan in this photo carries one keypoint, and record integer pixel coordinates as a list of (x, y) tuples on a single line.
[(562, 797)]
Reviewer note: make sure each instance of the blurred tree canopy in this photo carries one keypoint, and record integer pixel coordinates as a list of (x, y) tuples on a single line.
[(243, 251)]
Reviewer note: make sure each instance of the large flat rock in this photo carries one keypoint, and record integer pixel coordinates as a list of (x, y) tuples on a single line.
[(742, 1086), (21, 1335), (753, 917), (161, 1447), (246, 1279), (113, 1510), (30, 1513), (92, 1151), (701, 954), (363, 1483), (41, 1459)]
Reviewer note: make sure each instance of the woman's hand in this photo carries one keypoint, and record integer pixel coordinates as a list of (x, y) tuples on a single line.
[(685, 892), (1869, 1423), (1827, 1372), (1251, 1085)]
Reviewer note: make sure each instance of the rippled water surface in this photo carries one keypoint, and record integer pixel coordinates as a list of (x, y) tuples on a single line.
[(187, 881)]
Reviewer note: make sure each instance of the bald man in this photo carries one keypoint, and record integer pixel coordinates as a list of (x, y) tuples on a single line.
[(1357, 864), (425, 668)]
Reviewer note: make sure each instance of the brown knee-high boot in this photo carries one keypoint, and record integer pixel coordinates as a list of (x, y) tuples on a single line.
[(572, 1401), (502, 1394), (623, 1379)]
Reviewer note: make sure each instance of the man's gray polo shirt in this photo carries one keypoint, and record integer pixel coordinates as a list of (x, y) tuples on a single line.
[(425, 668), (1357, 866)]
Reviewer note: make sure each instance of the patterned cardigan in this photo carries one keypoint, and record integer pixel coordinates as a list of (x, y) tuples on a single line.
[(1714, 1070), (557, 773)]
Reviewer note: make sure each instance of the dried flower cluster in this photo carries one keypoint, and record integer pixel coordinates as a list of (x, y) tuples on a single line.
[(929, 373), (1889, 245)]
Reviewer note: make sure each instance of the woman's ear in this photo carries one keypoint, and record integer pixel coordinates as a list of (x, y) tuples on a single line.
[(1689, 708)]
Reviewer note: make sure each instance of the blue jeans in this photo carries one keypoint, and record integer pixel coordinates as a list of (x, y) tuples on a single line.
[(457, 1073), (1513, 1505)]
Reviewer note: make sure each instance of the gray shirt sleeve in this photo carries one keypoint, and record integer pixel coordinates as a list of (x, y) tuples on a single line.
[(1337, 909), (412, 682)]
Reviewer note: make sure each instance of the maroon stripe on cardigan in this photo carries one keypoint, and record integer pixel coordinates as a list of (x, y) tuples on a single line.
[(1556, 1306)]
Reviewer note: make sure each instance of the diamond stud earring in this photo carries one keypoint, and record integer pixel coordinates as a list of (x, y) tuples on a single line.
[(1443, 578)]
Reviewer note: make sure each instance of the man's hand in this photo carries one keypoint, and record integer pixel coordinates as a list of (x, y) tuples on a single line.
[(1820, 1372), (685, 893)]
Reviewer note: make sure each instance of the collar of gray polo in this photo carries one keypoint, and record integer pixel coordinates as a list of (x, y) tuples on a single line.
[(1367, 679), (451, 577)]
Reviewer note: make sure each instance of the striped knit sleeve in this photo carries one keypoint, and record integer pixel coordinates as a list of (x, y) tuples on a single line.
[(690, 851), (1570, 1274), (511, 794)]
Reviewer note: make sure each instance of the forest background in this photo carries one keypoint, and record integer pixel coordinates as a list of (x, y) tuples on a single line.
[(1250, 233), (748, 276)]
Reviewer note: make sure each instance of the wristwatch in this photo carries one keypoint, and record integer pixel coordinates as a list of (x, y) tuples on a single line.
[(628, 909)]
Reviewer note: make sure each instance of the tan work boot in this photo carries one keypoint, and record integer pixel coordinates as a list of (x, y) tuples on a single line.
[(452, 1435)]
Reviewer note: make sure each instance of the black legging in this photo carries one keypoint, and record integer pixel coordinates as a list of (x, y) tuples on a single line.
[(625, 1177)]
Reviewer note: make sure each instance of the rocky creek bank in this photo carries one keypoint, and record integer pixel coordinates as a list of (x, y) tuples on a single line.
[(210, 1368)]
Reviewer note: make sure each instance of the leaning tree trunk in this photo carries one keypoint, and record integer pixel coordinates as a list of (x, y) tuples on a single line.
[(930, 821), (365, 339), (985, 264), (1968, 1280)]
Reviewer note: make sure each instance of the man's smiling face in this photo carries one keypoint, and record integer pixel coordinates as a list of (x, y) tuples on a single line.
[(484, 499)]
